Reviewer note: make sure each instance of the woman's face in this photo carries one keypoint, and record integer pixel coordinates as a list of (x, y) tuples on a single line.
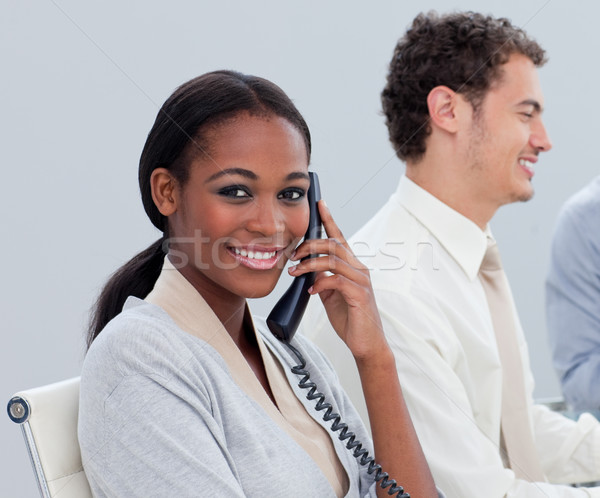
[(243, 209)]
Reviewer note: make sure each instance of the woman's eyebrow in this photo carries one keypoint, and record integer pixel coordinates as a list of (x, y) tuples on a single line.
[(246, 173), (298, 175)]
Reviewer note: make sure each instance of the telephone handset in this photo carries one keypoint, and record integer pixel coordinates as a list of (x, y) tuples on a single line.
[(283, 322), (287, 313)]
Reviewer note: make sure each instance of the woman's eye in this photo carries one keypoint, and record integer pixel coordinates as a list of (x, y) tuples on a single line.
[(292, 194), (235, 191)]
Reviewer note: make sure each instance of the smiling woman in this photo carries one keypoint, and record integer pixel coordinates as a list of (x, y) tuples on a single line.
[(244, 205), (183, 392)]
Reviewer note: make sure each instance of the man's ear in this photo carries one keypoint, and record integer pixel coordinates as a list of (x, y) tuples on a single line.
[(442, 104), (164, 191)]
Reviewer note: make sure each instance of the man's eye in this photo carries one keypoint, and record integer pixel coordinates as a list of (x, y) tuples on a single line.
[(527, 113), (292, 194)]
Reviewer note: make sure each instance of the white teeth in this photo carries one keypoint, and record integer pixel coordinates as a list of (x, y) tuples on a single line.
[(255, 254), (526, 163)]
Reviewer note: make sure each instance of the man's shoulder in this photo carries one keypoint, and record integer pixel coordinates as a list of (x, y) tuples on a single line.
[(579, 217), (394, 244), (392, 224), (585, 202)]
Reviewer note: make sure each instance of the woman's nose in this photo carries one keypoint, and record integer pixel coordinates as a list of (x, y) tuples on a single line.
[(265, 218)]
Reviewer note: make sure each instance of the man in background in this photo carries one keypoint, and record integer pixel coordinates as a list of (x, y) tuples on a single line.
[(573, 299), (463, 106)]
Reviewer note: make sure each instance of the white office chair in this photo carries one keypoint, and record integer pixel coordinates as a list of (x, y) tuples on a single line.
[(48, 417)]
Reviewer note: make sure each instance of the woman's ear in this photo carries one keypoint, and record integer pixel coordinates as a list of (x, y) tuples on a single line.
[(164, 191), (442, 104)]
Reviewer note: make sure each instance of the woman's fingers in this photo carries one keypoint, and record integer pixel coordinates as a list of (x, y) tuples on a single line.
[(331, 228), (332, 247), (334, 243), (352, 291), (333, 264), (351, 311), (329, 255)]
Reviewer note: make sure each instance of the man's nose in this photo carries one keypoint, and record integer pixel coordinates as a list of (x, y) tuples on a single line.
[(540, 139)]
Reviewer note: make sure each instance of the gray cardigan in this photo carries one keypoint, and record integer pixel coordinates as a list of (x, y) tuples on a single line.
[(160, 415)]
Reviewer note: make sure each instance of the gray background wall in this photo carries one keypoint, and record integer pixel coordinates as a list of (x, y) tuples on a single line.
[(81, 83)]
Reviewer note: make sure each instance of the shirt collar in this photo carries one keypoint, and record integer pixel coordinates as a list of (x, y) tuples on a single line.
[(464, 240), (188, 309)]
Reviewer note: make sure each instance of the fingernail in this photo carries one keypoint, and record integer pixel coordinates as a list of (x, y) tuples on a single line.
[(310, 289), (292, 269), (293, 255)]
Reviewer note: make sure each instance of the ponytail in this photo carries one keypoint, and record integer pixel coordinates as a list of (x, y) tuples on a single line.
[(135, 278)]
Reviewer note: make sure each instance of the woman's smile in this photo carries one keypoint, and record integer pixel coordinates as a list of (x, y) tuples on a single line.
[(257, 258)]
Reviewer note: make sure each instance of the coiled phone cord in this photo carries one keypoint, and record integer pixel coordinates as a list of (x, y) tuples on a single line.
[(353, 444)]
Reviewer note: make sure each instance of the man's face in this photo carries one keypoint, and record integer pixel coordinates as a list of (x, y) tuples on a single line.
[(506, 136)]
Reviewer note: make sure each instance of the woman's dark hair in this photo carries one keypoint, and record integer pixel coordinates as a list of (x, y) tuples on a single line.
[(177, 136), (463, 51)]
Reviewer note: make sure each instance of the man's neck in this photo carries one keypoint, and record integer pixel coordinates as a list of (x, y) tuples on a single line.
[(444, 181)]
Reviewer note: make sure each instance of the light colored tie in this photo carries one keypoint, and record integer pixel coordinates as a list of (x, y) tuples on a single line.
[(516, 431)]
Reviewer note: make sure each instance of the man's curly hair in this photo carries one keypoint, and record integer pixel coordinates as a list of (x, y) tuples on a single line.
[(463, 51)]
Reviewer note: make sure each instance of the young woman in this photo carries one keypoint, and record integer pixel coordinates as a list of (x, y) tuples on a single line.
[(184, 393)]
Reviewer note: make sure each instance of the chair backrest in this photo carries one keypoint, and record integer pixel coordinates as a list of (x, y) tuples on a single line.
[(48, 417)]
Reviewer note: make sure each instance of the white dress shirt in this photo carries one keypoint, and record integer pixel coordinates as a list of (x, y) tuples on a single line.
[(424, 259)]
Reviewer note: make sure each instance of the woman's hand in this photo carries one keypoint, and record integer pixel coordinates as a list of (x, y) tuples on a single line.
[(346, 291), (348, 298)]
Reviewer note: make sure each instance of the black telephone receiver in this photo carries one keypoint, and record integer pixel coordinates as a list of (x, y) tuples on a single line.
[(287, 313)]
